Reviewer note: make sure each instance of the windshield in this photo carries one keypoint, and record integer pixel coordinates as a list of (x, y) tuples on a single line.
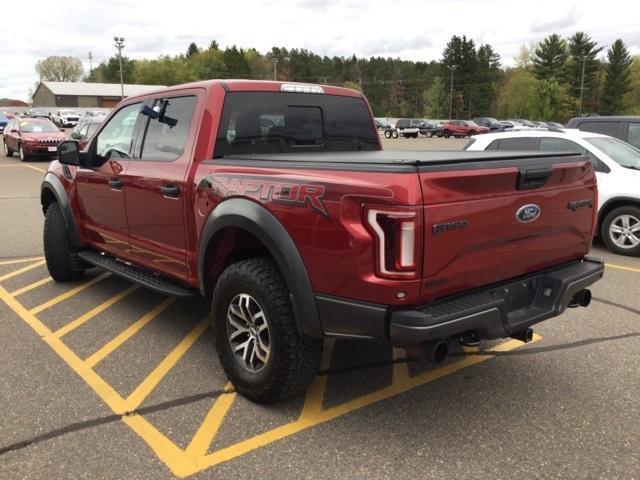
[(37, 127), (36, 111), (68, 112), (620, 152)]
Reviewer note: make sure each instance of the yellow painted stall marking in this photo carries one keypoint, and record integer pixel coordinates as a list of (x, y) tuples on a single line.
[(20, 271), (129, 332), (31, 286), (68, 294)]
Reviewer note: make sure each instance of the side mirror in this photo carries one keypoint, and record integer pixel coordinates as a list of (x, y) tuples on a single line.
[(14, 130), (69, 152), (75, 135)]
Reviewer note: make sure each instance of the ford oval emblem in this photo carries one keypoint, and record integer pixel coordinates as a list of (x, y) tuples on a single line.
[(528, 213)]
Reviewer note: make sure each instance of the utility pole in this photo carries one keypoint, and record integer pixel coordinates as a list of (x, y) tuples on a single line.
[(451, 93), (90, 63), (275, 68), (581, 86), (120, 45)]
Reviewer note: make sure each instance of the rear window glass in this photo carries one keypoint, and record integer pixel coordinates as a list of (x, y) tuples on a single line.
[(518, 143), (273, 122)]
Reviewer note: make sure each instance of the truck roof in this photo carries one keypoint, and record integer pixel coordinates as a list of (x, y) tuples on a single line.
[(240, 85)]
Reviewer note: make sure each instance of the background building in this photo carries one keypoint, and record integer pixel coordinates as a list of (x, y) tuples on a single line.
[(84, 95)]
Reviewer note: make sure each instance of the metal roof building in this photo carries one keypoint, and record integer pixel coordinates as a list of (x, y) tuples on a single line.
[(84, 95)]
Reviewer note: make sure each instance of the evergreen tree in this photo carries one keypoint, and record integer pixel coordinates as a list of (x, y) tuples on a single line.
[(237, 65), (192, 50), (214, 45), (617, 80), (583, 53), (486, 78), (550, 59), (460, 56)]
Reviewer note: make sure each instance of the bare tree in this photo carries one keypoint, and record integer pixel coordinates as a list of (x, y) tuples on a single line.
[(60, 69)]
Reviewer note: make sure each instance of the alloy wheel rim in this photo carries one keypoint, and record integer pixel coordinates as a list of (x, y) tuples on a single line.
[(248, 332), (624, 231)]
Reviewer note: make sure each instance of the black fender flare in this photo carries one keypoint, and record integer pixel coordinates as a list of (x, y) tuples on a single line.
[(254, 218), (52, 183)]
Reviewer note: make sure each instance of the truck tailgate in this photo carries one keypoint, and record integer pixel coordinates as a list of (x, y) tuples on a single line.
[(485, 223)]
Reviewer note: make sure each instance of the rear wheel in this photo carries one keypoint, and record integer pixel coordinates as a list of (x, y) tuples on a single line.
[(387, 134), (472, 133), (7, 151), (256, 335), (395, 134), (621, 231), (62, 262)]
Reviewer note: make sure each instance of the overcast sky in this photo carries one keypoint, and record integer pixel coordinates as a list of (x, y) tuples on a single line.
[(414, 29)]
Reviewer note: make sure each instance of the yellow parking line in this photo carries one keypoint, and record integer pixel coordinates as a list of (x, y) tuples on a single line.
[(15, 273), (34, 168), (143, 390), (69, 294), (209, 428), (110, 347), (21, 260), (102, 388), (400, 370), (622, 267), (315, 393), (81, 320), (31, 286)]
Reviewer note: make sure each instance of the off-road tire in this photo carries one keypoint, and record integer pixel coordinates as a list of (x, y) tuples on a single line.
[(632, 211), (62, 262), (293, 360)]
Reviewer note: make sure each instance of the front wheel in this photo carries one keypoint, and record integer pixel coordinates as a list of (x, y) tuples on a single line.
[(387, 134), (395, 134), (446, 134), (62, 262), (257, 339), (621, 231), (24, 157)]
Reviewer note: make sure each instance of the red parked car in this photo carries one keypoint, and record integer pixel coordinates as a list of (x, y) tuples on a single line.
[(275, 201), (31, 137), (462, 128)]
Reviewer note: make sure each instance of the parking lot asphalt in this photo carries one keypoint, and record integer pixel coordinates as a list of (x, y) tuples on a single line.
[(104, 380)]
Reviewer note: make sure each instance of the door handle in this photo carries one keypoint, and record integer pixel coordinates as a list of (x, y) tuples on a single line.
[(115, 183), (170, 191)]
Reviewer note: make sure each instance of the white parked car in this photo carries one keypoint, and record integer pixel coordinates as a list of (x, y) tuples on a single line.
[(66, 118), (617, 166)]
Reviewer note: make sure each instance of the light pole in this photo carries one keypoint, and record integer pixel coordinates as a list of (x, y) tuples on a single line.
[(90, 63), (120, 45), (450, 92), (581, 86), (275, 68)]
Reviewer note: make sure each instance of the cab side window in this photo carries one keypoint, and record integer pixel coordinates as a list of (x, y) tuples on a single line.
[(115, 139), (165, 141), (549, 144), (633, 136)]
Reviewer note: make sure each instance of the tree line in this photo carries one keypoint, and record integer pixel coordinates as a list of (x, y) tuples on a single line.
[(553, 80)]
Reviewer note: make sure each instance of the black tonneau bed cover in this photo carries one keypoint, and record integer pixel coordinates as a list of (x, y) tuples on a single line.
[(397, 157)]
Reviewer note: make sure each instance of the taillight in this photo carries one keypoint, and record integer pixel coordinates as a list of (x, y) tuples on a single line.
[(396, 233)]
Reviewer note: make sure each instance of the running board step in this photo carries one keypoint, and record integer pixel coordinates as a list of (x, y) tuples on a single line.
[(139, 275)]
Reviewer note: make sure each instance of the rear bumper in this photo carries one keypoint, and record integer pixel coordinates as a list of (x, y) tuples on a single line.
[(496, 311)]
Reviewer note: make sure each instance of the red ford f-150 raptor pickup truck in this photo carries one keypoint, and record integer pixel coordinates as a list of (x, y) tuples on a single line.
[(275, 201)]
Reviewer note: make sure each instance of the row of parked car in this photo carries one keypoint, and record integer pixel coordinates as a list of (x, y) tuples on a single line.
[(37, 134), (412, 127)]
